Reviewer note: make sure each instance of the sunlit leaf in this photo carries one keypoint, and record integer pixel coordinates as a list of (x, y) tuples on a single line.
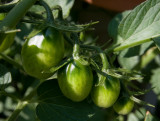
[(141, 25)]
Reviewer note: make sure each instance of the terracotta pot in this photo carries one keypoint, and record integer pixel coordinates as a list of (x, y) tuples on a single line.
[(116, 5)]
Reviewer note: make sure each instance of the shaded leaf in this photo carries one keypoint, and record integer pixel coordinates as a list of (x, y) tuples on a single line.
[(141, 92), (155, 81), (129, 58), (140, 101), (5, 77), (53, 106), (157, 42)]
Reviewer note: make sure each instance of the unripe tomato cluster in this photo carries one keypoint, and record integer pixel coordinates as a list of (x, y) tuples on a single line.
[(46, 50)]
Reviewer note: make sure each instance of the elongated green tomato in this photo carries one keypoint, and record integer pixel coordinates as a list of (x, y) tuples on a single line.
[(75, 81), (105, 94), (123, 106), (9, 38), (42, 52)]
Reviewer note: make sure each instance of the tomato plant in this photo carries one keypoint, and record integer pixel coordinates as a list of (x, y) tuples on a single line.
[(58, 70)]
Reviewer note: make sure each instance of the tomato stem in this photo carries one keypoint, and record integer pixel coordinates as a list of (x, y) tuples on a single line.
[(98, 49), (19, 108), (50, 18), (60, 12), (23, 103), (76, 51), (76, 46), (11, 61), (102, 55)]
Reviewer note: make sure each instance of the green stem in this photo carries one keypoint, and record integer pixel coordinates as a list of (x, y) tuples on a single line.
[(16, 14), (19, 108), (119, 48), (76, 49), (50, 18), (21, 104), (11, 31), (104, 61), (76, 46), (102, 55), (11, 61), (60, 65), (60, 12)]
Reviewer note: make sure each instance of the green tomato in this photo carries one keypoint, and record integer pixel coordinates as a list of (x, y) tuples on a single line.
[(105, 94), (123, 106), (75, 81), (9, 38), (42, 52)]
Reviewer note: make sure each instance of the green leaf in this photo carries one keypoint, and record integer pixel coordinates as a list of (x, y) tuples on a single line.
[(120, 74), (5, 77), (149, 117), (141, 25), (53, 106), (130, 57), (113, 25), (137, 115), (141, 102), (65, 4), (141, 92), (157, 42), (155, 81), (60, 26), (66, 26)]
